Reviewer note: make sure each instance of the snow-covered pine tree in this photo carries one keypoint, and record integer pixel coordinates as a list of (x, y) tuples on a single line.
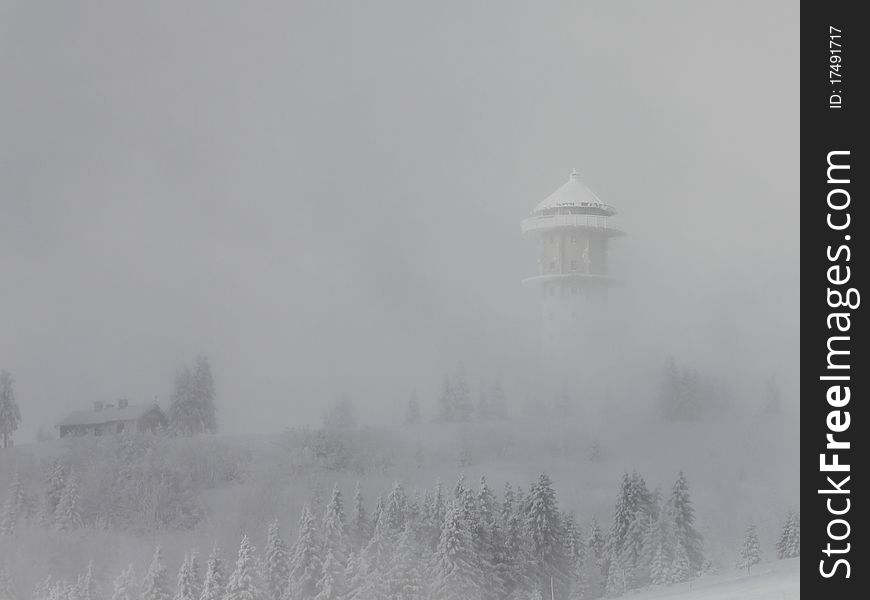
[(595, 543), (215, 583), (412, 410), (497, 404), (485, 534), (184, 414), (433, 516), (794, 543), (463, 409), (155, 584), (444, 410), (483, 410), (682, 517), (124, 586), (341, 415), (788, 545), (276, 564), (204, 395), (403, 578), (54, 484), (750, 552), (331, 585), (365, 581), (306, 562), (7, 588), (245, 583), (12, 507), (453, 573), (86, 587), (360, 527), (395, 510), (187, 586), (658, 549), (543, 525), (634, 509), (334, 530), (66, 515), (10, 415)]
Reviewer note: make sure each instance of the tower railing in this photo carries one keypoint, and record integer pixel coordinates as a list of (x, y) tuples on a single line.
[(537, 222)]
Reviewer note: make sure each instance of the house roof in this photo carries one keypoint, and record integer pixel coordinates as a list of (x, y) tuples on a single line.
[(109, 414)]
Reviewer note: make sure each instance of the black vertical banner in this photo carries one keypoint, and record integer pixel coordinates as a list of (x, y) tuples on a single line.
[(834, 370)]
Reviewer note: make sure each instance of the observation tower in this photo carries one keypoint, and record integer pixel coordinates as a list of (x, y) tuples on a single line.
[(573, 228)]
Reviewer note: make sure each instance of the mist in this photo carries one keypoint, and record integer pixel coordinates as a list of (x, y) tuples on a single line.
[(324, 198)]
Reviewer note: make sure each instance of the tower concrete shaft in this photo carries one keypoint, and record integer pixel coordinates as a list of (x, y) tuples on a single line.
[(573, 228)]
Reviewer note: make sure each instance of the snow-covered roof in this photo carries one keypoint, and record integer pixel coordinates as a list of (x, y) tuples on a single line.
[(109, 414), (573, 194)]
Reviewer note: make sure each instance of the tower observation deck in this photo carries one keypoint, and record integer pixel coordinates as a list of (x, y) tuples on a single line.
[(573, 228)]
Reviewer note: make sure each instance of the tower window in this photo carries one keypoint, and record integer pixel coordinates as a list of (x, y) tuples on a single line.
[(575, 265)]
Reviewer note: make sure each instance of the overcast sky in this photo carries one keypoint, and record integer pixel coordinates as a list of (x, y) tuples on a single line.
[(326, 196)]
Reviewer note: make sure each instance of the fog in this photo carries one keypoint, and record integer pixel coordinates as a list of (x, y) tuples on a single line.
[(325, 197)]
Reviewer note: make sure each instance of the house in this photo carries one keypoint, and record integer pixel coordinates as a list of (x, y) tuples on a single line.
[(107, 419)]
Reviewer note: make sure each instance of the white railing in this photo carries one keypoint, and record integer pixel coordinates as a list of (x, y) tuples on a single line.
[(551, 221)]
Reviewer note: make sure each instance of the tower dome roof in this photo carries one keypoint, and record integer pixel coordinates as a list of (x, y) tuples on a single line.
[(573, 194)]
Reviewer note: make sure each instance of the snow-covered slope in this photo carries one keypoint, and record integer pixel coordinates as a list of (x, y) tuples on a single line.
[(778, 580)]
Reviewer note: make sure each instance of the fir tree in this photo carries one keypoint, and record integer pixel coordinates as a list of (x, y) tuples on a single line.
[(454, 574), (184, 415), (215, 583), (433, 516), (334, 536), (66, 515), (788, 545), (276, 565), (403, 575), (10, 415), (682, 515), (187, 587), (412, 411), (634, 510), (497, 404), (244, 583), (155, 584), (658, 550), (794, 544), (543, 525), (396, 510), (360, 528), (332, 584), (305, 562), (54, 484), (341, 415), (204, 395), (444, 411), (124, 587), (12, 507), (750, 553), (483, 410), (86, 587), (461, 398)]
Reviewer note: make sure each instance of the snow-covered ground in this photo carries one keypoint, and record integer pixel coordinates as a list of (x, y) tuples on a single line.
[(778, 580)]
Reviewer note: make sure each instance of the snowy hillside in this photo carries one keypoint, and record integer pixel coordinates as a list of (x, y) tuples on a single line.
[(779, 580)]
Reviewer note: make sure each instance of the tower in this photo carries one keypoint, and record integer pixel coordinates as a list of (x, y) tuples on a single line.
[(572, 227)]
